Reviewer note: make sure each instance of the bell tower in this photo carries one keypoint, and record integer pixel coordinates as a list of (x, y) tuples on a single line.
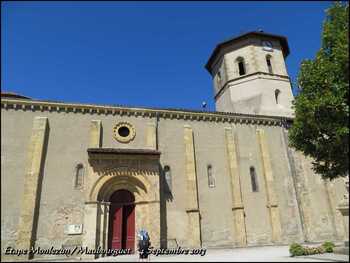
[(250, 76)]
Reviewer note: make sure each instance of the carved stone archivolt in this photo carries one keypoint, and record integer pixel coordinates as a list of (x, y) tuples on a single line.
[(124, 166), (122, 169)]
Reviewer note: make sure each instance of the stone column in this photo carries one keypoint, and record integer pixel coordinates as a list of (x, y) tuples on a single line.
[(272, 203), (194, 232), (236, 193), (90, 227), (32, 185), (106, 223), (103, 222), (151, 136)]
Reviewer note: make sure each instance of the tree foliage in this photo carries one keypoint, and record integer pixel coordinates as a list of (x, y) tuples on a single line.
[(321, 128)]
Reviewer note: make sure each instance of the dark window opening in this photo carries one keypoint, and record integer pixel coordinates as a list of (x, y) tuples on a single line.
[(168, 180), (211, 179), (241, 68), (218, 79), (123, 131), (277, 93), (269, 65), (79, 173), (253, 179)]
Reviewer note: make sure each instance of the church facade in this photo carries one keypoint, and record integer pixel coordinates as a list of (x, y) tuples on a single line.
[(92, 175)]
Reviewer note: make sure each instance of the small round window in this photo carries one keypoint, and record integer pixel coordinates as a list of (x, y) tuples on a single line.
[(124, 132)]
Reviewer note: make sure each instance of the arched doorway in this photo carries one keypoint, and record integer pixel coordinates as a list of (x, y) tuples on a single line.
[(122, 220)]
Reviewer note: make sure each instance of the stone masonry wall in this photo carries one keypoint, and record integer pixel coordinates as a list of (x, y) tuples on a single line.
[(304, 202)]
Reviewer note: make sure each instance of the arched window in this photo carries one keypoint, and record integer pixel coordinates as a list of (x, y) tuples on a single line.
[(218, 79), (241, 66), (268, 62), (253, 179), (211, 179), (277, 93), (167, 173), (79, 176)]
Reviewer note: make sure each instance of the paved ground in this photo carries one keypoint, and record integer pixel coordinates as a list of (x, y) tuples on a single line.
[(269, 254), (251, 254)]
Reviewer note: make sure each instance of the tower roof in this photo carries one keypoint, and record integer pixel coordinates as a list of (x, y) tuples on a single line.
[(282, 39), (13, 95)]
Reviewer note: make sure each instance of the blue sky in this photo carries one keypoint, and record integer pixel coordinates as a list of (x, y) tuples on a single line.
[(149, 54)]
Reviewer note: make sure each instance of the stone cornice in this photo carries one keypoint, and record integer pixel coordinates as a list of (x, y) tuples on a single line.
[(192, 115)]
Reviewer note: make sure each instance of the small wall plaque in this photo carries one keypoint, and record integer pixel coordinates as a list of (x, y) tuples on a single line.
[(73, 229)]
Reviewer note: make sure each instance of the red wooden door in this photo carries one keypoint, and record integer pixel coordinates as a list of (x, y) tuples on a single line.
[(122, 220), (117, 218), (130, 227)]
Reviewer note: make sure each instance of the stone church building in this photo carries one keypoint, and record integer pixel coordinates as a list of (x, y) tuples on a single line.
[(93, 175)]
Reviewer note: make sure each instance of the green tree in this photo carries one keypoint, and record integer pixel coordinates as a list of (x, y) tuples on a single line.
[(321, 128)]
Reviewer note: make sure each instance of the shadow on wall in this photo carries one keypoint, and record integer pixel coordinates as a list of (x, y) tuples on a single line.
[(165, 196), (39, 189)]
